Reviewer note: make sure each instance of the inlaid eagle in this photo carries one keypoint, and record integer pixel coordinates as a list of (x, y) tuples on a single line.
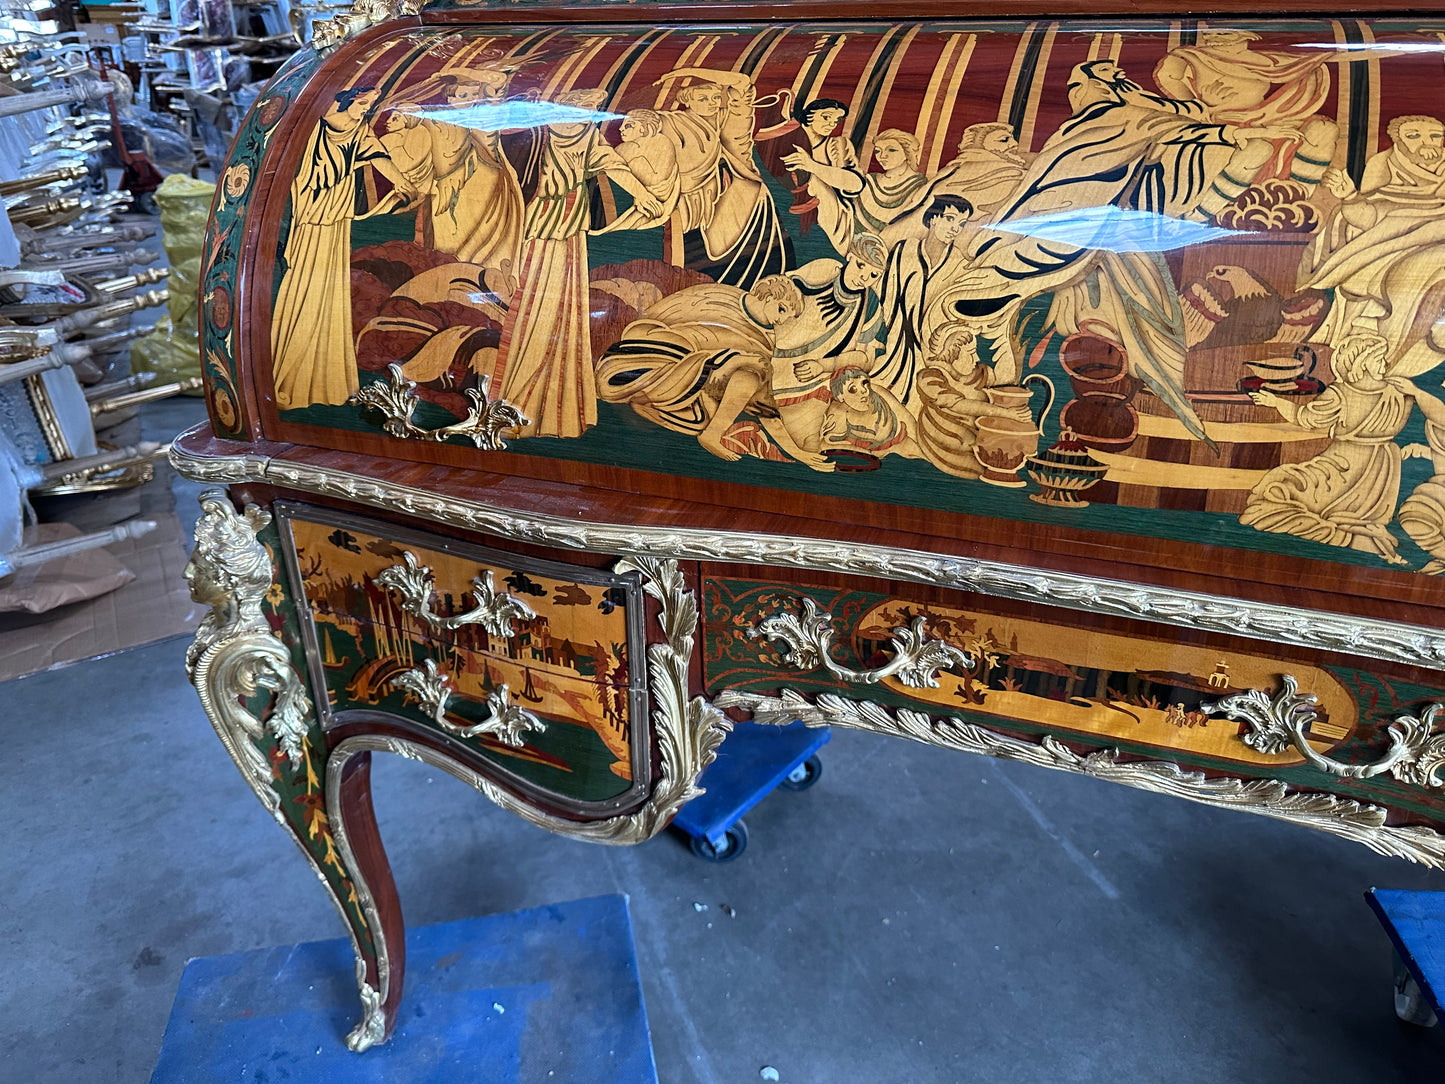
[(1232, 306)]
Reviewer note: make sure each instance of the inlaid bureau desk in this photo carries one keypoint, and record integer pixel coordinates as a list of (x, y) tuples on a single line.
[(1055, 390)]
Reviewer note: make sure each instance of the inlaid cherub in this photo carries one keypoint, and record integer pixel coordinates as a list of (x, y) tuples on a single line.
[(866, 418)]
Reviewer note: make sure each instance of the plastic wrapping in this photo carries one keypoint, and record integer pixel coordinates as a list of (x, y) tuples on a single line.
[(173, 350), (16, 476), (159, 137)]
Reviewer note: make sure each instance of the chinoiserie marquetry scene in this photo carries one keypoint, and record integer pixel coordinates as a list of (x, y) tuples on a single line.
[(387, 616), (1162, 697), (1154, 695), (1178, 280)]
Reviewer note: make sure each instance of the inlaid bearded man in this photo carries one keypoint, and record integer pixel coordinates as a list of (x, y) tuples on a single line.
[(1261, 88), (1383, 252), (1122, 149), (986, 171)]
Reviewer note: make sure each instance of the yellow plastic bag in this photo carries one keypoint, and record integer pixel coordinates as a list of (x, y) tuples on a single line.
[(173, 350)]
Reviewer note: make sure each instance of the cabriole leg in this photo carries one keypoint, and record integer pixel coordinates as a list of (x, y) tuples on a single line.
[(379, 972), (244, 664)]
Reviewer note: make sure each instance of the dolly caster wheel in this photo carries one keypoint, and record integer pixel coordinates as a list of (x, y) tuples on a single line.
[(734, 844), (804, 775), (1410, 1004)]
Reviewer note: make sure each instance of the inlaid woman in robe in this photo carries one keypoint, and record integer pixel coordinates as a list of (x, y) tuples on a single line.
[(313, 358), (852, 202), (544, 361)]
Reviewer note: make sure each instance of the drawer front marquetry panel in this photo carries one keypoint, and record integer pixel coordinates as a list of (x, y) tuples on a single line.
[(532, 665), (1146, 695)]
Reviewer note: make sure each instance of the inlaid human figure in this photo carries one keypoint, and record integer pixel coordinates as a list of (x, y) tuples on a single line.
[(852, 202), (1252, 88), (544, 360), (816, 136), (898, 188), (986, 170), (1125, 148), (313, 357), (1383, 251), (1409, 172), (697, 359), (1123, 142), (724, 223), (918, 272), (409, 147), (1346, 495), (952, 395), (1422, 513), (864, 418), (475, 209), (652, 158), (837, 329)]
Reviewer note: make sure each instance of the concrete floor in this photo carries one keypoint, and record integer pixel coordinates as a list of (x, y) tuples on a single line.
[(918, 916)]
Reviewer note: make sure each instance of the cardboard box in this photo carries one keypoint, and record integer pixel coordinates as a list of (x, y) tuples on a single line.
[(154, 606)]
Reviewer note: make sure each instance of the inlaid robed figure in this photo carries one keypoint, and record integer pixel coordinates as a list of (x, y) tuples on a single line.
[(725, 224), (312, 343), (544, 364), (473, 200)]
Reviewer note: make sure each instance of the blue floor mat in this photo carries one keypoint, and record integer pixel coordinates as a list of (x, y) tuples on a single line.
[(550, 994)]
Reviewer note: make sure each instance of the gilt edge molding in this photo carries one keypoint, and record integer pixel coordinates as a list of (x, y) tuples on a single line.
[(1343, 817), (1391, 641)]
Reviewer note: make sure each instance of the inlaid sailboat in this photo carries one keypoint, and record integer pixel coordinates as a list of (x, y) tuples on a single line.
[(329, 657), (529, 691)]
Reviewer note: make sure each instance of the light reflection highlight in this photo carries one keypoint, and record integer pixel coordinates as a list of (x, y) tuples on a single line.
[(510, 114), (1116, 229), (1381, 47)]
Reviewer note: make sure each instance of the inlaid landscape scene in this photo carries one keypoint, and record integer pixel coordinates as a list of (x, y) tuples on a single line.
[(564, 656)]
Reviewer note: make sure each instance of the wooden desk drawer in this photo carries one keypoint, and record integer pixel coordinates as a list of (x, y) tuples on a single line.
[(1150, 692), (430, 630)]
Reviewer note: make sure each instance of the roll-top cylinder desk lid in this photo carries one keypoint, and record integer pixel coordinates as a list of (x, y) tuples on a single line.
[(1158, 299)]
